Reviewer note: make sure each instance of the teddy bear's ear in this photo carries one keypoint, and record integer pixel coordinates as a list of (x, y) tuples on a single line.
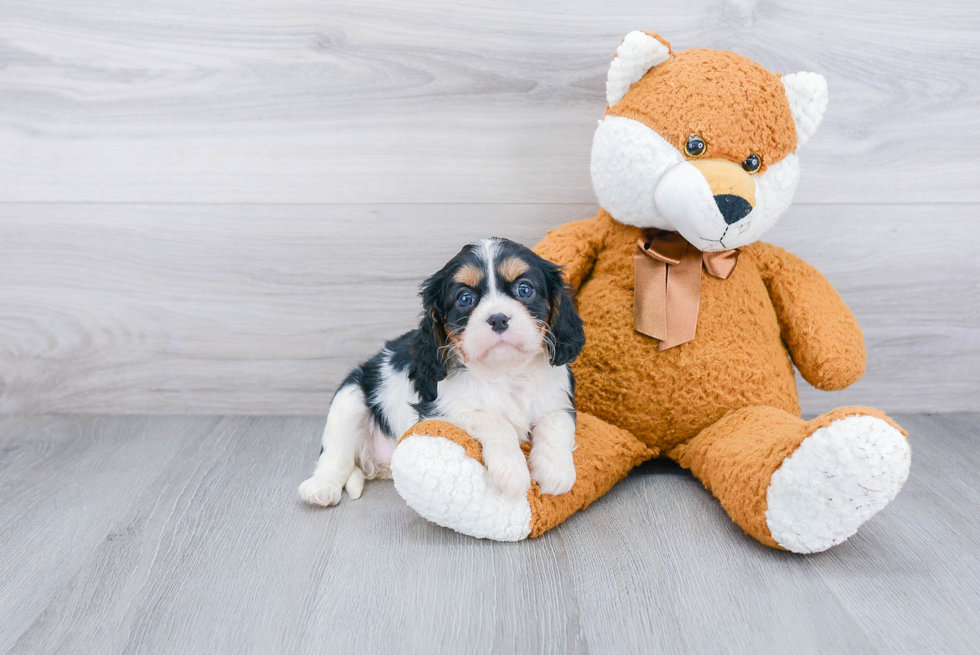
[(807, 94), (638, 53)]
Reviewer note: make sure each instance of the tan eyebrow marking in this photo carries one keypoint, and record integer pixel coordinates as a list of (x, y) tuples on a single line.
[(468, 274), (512, 267)]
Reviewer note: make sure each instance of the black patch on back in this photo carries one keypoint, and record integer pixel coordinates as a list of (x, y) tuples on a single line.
[(401, 350), (371, 381), (368, 376)]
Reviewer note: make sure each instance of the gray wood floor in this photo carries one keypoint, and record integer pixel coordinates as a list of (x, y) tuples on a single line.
[(185, 535)]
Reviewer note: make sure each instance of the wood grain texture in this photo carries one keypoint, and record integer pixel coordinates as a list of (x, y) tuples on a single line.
[(440, 101), (938, 516), (263, 308), (64, 484), (215, 553), (216, 209)]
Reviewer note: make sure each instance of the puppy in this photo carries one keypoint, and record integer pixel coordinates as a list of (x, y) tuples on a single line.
[(490, 355)]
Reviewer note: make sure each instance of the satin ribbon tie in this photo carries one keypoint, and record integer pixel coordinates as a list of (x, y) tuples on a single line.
[(667, 285)]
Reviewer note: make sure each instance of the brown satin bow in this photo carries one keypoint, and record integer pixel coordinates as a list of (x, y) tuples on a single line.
[(667, 285)]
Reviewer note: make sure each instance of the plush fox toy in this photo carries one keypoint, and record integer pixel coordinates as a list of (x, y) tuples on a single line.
[(692, 325)]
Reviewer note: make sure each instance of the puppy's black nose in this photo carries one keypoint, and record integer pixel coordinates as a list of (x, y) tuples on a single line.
[(498, 322), (733, 208)]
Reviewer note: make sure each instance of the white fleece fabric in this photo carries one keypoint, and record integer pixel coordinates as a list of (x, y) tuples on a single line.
[(643, 180), (839, 477), (807, 95), (637, 54), (628, 160), (437, 480)]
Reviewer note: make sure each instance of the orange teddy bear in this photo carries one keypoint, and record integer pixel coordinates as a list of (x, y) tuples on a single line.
[(692, 325)]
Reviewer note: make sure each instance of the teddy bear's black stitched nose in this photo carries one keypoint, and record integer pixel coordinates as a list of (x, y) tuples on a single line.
[(732, 208)]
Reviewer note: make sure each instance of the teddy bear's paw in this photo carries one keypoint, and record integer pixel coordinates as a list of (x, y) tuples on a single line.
[(838, 478), (438, 480)]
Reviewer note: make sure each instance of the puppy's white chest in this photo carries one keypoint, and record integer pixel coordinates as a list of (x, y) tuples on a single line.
[(512, 401), (520, 399)]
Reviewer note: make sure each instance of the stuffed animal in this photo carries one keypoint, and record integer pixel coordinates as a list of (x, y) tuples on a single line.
[(693, 325)]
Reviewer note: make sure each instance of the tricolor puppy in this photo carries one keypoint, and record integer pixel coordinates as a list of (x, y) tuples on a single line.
[(490, 356)]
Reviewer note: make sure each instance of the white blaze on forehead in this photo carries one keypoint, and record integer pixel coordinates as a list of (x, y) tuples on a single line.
[(487, 250)]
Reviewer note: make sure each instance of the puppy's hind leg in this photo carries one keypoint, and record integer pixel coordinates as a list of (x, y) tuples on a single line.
[(355, 483), (347, 425)]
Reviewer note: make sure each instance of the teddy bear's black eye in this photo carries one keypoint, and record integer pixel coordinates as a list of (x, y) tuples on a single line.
[(695, 146), (752, 163)]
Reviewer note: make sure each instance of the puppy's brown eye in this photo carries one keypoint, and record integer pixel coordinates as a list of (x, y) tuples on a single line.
[(525, 290), (752, 163), (695, 146)]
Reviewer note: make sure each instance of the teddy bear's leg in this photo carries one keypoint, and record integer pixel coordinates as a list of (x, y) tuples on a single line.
[(438, 471), (798, 485)]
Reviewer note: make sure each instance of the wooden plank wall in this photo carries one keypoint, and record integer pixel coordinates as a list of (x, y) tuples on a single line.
[(211, 208)]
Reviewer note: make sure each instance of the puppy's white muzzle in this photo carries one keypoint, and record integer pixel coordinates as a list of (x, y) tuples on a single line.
[(519, 340)]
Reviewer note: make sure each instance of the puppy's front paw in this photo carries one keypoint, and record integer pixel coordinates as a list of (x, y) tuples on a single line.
[(508, 472), (553, 469), (321, 491)]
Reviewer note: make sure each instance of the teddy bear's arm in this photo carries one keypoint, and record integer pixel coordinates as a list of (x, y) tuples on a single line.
[(822, 334), (574, 246)]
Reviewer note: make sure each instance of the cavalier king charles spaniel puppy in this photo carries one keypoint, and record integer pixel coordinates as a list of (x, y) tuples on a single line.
[(491, 356)]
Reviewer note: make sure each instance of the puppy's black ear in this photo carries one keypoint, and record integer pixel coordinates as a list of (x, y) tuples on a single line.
[(428, 365), (564, 323)]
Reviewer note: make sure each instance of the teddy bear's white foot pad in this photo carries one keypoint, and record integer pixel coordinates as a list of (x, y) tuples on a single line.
[(440, 482), (838, 478)]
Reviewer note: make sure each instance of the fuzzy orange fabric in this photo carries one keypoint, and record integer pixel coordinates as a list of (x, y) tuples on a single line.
[(822, 335), (667, 397), (736, 457), (734, 104), (725, 404), (604, 454)]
